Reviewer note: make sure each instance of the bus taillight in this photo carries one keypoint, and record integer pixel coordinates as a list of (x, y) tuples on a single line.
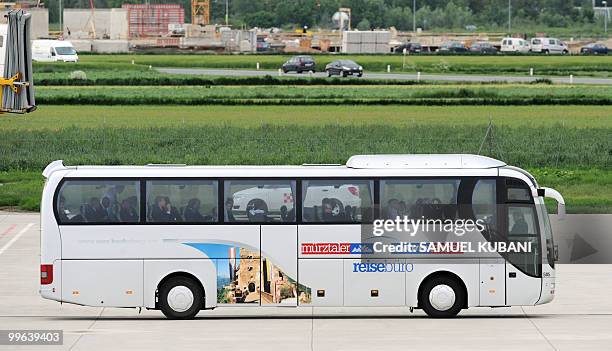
[(354, 190), (46, 274)]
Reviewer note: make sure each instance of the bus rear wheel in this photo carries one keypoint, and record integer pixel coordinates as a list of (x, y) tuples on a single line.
[(180, 298), (442, 297)]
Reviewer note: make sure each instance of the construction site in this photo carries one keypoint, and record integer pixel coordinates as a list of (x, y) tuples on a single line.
[(164, 27)]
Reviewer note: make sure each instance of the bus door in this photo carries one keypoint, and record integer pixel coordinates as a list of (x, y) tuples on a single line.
[(519, 225), (279, 268), (270, 204)]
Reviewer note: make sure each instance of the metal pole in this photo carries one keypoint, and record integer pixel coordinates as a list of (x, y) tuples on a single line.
[(226, 12), (509, 16), (414, 16), (605, 3), (60, 18)]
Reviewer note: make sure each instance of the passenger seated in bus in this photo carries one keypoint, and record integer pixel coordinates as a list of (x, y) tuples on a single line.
[(112, 192), (520, 225), (229, 210), (191, 213), (62, 209), (403, 209), (163, 211), (332, 211), (127, 212), (286, 215), (257, 212), (94, 211), (393, 209), (110, 214)]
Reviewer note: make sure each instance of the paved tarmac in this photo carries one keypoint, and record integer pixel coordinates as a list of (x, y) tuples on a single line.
[(400, 76), (580, 317)]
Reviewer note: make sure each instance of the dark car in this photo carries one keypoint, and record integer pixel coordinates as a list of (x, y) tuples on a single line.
[(594, 49), (344, 68), (411, 48), (452, 47), (483, 48), (299, 64)]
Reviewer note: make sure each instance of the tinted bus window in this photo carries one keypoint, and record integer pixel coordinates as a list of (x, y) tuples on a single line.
[(484, 204), (419, 198), (330, 201), (99, 201), (191, 201), (259, 201)]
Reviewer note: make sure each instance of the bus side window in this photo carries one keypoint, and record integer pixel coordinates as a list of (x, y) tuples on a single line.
[(182, 200), (419, 198), (99, 201), (331, 201), (259, 201), (484, 203)]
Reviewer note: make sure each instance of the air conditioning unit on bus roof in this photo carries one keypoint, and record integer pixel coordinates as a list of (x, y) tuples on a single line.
[(423, 161)]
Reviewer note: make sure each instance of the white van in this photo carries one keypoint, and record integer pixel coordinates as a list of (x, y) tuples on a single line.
[(548, 46), (514, 45), (53, 50)]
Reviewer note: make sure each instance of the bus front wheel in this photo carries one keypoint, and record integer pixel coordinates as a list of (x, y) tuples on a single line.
[(180, 298), (442, 297)]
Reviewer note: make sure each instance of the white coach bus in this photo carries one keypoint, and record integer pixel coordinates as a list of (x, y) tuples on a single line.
[(175, 238)]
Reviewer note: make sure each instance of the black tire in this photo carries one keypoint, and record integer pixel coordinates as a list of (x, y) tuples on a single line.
[(329, 73), (344, 74), (360, 75), (189, 283), (432, 311)]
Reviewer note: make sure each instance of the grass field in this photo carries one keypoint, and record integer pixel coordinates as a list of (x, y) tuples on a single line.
[(491, 94), (118, 65), (569, 148)]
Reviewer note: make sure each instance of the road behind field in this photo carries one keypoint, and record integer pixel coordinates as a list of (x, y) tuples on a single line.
[(398, 76), (579, 318)]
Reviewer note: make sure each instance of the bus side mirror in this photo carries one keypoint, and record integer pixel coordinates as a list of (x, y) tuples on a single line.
[(553, 194), (561, 211)]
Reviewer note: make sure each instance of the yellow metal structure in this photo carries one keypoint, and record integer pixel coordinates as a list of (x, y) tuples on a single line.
[(200, 12), (15, 86)]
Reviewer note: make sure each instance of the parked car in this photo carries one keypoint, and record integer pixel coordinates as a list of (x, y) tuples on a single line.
[(344, 68), (594, 49), (548, 46), (452, 47), (517, 45), (411, 48), (483, 48), (299, 64)]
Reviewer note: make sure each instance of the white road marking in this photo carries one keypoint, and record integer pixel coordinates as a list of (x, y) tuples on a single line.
[(15, 238)]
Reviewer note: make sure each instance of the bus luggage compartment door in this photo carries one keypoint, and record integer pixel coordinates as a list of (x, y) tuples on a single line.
[(111, 283), (279, 265), (492, 282)]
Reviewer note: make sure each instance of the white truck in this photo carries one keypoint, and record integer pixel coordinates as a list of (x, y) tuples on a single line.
[(53, 51)]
